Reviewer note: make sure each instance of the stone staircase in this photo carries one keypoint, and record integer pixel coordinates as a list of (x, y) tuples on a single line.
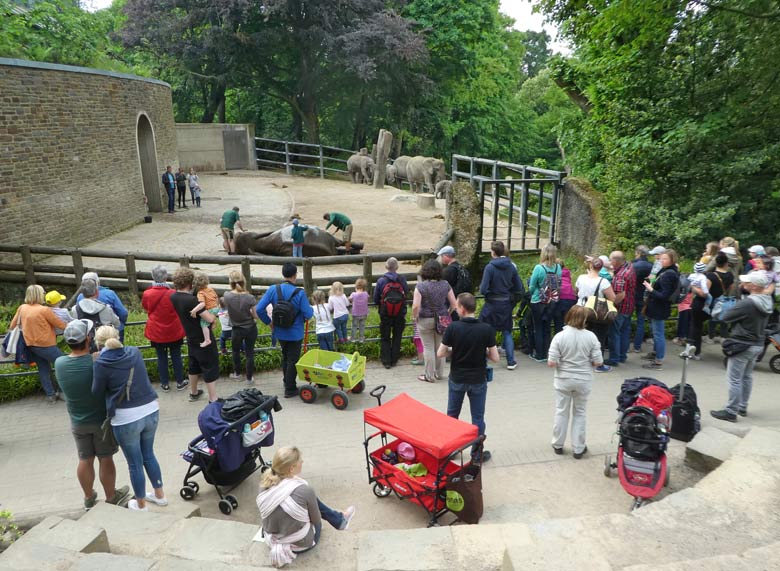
[(729, 520)]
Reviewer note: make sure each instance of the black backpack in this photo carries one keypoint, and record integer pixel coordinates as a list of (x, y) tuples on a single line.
[(392, 299), (93, 317), (683, 289), (463, 283), (686, 418), (284, 312)]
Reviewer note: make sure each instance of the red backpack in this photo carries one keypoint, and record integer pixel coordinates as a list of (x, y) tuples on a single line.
[(392, 300)]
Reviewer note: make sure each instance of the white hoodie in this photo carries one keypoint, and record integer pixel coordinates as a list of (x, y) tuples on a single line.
[(90, 306)]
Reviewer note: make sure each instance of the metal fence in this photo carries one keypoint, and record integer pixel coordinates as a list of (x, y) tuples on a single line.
[(294, 156)]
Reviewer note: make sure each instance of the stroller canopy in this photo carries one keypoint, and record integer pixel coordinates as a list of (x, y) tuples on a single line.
[(421, 426)]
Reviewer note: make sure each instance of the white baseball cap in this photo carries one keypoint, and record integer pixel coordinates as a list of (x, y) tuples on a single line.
[(756, 278), (657, 250)]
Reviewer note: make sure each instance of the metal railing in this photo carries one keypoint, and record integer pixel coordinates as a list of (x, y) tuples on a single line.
[(291, 156)]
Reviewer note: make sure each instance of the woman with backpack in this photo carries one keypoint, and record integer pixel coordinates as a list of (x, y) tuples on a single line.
[(545, 289), (430, 307), (659, 306)]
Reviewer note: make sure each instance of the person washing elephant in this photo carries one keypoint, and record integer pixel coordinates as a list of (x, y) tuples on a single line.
[(340, 222), (229, 221)]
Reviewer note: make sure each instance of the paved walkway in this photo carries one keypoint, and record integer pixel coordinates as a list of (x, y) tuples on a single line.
[(525, 481)]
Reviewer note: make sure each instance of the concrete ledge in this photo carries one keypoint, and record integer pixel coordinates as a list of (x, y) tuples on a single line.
[(710, 449), (109, 562)]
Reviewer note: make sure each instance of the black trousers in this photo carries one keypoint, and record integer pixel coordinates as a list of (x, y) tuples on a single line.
[(246, 337), (391, 330), (291, 352), (699, 318), (182, 197)]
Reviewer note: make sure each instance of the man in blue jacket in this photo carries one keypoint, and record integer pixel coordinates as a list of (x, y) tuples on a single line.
[(169, 183), (290, 338), (111, 299)]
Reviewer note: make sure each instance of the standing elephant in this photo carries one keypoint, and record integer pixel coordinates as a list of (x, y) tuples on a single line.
[(360, 168), (390, 174), (425, 171), (443, 188), (400, 168)]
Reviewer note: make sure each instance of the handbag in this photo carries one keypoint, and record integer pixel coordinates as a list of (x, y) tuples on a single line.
[(11, 342), (442, 322), (601, 310), (733, 347), (125, 392), (722, 306)]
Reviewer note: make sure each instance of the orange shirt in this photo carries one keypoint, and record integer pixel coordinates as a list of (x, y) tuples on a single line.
[(208, 297), (38, 323)]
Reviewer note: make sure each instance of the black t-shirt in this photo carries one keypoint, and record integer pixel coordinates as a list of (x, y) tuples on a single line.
[(716, 290), (450, 274), (183, 303), (469, 340)]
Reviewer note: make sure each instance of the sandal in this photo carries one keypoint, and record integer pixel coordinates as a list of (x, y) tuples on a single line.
[(424, 379)]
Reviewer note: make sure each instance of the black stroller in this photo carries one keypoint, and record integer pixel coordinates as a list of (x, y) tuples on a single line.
[(227, 451)]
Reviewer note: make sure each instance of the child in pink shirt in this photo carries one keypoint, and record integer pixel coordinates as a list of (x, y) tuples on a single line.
[(359, 300)]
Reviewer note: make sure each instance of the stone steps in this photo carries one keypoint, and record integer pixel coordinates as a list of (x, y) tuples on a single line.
[(729, 520)]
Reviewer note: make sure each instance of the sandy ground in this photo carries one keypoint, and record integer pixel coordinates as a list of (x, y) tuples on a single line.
[(267, 201)]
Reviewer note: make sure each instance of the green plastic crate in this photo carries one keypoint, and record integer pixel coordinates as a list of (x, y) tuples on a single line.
[(308, 371)]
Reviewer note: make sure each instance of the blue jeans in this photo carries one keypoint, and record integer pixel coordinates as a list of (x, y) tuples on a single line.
[(136, 440), (44, 358), (223, 337), (619, 338), (297, 250), (333, 517), (341, 326), (162, 350), (684, 323), (740, 376), (639, 336), (508, 343), (326, 341), (543, 316), (171, 199), (477, 396), (659, 338)]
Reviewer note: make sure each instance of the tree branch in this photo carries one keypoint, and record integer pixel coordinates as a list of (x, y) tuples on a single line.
[(712, 6)]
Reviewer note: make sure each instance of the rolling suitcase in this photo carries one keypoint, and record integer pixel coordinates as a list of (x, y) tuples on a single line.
[(686, 417)]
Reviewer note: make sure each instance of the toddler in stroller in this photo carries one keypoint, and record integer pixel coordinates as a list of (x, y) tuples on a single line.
[(643, 426), (227, 451)]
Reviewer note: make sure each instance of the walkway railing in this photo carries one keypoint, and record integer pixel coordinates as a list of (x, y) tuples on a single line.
[(292, 156)]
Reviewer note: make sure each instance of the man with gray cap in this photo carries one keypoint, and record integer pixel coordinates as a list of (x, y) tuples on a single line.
[(454, 273), (109, 297), (87, 412), (748, 319)]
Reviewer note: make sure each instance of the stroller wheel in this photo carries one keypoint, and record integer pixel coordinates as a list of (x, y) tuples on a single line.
[(340, 400), (233, 501), (667, 477), (637, 504), (381, 491), (308, 394), (608, 466), (187, 493), (225, 507), (774, 364), (194, 485)]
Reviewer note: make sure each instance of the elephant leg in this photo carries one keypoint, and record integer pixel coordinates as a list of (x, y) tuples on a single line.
[(429, 184)]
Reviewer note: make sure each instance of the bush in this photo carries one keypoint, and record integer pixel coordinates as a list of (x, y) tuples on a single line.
[(9, 531)]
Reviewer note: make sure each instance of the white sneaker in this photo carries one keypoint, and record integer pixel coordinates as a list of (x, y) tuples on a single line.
[(150, 497), (235, 377), (349, 513), (132, 505)]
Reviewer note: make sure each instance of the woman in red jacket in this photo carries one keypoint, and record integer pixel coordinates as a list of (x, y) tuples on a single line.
[(163, 329)]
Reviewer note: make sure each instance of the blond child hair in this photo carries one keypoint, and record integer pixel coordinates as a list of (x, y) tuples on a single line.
[(337, 288)]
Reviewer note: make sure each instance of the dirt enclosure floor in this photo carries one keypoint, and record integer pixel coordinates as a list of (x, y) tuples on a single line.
[(386, 220)]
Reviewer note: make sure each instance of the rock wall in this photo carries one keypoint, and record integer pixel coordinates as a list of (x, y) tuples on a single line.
[(579, 225), (463, 214), (70, 168)]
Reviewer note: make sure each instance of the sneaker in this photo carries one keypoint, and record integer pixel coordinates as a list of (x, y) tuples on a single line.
[(132, 505), (717, 340), (289, 395), (486, 456), (578, 455), (90, 502), (235, 377), (418, 362), (558, 451), (654, 365), (695, 357), (196, 396), (724, 415), (120, 495), (611, 363), (677, 341), (511, 366), (182, 385), (742, 412), (501, 351), (602, 369), (51, 399), (649, 356), (165, 388), (250, 382), (150, 497), (349, 513)]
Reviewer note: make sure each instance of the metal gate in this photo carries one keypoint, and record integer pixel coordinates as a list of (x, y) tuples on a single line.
[(519, 204), (236, 144)]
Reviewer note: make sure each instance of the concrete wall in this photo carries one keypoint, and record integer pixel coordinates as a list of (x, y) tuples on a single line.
[(201, 145), (579, 224), (69, 161)]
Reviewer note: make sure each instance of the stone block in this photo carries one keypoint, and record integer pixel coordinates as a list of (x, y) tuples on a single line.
[(764, 442), (77, 536), (175, 564), (109, 562), (217, 540), (33, 556), (406, 550), (426, 201), (479, 547), (709, 449)]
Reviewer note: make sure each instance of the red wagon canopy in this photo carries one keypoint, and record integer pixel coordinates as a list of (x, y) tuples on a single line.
[(421, 426)]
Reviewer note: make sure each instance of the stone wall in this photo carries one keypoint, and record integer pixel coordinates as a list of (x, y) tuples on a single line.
[(201, 145), (69, 160), (579, 225)]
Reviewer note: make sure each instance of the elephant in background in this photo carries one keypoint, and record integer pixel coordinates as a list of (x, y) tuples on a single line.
[(400, 168), (361, 168), (390, 174), (443, 188), (425, 171)]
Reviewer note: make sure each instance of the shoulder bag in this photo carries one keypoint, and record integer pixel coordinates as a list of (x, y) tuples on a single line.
[(600, 309), (123, 395)]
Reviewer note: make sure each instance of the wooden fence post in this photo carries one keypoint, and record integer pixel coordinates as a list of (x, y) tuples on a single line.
[(287, 157), (27, 262), (78, 265), (132, 276), (308, 277), (322, 164), (368, 273), (184, 262), (246, 269)]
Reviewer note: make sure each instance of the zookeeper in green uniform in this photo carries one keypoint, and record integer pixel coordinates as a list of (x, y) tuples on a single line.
[(227, 225), (340, 222)]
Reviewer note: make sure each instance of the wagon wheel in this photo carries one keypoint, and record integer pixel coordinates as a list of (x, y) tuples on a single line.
[(340, 400), (361, 386), (381, 491), (774, 364), (308, 394)]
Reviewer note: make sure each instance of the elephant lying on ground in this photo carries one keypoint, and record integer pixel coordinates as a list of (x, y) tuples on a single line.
[(360, 168), (425, 172), (317, 242)]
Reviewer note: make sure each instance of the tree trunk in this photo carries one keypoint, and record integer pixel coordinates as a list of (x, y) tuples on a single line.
[(383, 145), (215, 103), (359, 132)]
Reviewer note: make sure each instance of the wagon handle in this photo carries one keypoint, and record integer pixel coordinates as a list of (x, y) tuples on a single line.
[(378, 392)]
